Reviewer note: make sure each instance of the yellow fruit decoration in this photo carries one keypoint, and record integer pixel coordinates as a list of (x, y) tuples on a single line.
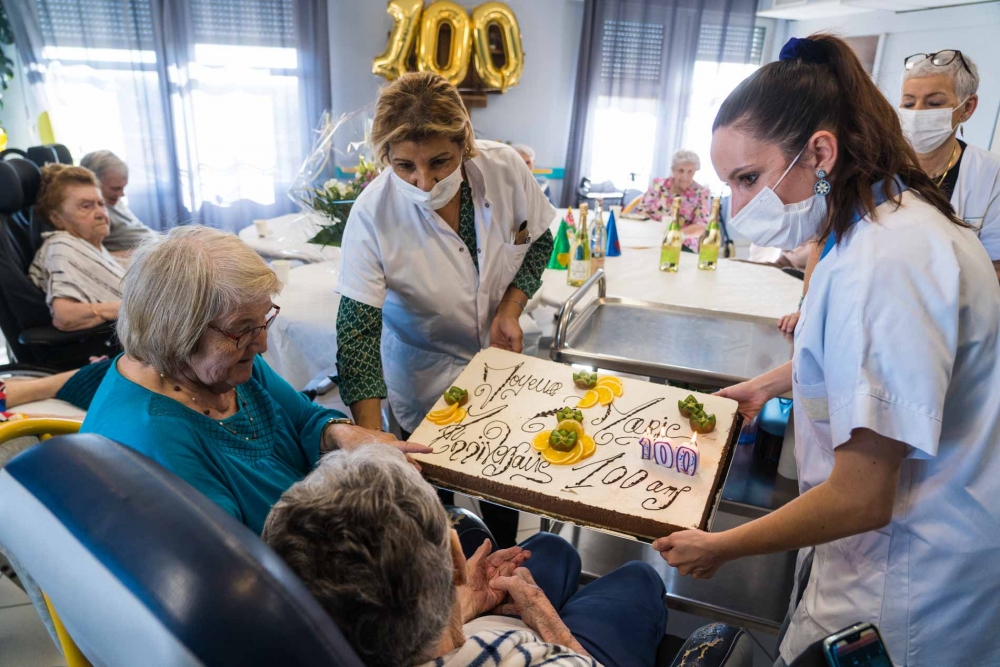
[(605, 395), (570, 425), (460, 414), (588, 446), (589, 400), (444, 415), (541, 441), (612, 383), (558, 458)]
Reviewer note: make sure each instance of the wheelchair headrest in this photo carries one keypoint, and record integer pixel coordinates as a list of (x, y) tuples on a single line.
[(43, 155), (11, 194), (143, 569)]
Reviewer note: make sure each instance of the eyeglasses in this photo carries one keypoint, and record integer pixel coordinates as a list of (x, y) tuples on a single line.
[(939, 59), (244, 338)]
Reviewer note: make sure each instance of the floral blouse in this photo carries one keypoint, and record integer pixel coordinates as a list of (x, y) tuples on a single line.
[(695, 206)]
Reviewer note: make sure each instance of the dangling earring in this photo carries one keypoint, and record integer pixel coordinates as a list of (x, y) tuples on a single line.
[(822, 187)]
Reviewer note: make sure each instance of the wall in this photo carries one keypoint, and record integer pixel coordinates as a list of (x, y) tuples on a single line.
[(536, 112), (974, 29), (14, 117)]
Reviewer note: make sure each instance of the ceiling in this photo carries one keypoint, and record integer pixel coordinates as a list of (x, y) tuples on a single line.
[(804, 10)]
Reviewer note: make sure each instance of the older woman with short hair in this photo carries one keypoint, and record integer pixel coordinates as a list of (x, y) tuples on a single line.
[(695, 198), (939, 93), (369, 537), (127, 231), (80, 278), (192, 392)]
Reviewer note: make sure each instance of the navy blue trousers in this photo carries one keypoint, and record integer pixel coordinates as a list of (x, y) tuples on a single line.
[(620, 618)]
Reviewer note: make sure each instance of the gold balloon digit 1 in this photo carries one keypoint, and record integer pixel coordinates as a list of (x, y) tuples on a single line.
[(435, 15), (510, 73), (392, 62)]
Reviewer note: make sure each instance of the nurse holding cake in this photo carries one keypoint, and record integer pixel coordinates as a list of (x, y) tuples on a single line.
[(895, 373), (440, 255)]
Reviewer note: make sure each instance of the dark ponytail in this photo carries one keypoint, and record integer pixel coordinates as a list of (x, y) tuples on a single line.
[(819, 84)]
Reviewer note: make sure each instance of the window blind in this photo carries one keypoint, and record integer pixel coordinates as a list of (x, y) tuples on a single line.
[(105, 24), (631, 50), (251, 22), (739, 44)]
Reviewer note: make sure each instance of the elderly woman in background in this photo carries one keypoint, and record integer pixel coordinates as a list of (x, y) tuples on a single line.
[(939, 94), (695, 198), (369, 538), (527, 154), (191, 391), (126, 230), (80, 278)]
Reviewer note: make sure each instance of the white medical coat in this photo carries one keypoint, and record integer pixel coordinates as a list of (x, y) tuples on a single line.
[(899, 334), (977, 197), (436, 308)]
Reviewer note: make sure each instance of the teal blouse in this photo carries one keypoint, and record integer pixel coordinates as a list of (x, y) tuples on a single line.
[(242, 464)]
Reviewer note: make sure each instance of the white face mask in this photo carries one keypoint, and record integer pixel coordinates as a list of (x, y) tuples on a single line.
[(927, 129), (771, 224), (442, 192)]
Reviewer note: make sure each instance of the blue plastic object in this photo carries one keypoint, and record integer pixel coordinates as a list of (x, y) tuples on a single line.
[(614, 248), (774, 415)]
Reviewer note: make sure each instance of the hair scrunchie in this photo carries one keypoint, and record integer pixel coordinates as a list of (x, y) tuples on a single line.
[(806, 50)]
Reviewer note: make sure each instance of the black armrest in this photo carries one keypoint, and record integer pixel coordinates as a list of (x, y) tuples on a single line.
[(716, 645), (52, 337)]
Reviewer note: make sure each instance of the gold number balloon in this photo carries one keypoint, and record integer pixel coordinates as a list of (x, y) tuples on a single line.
[(500, 14), (392, 62), (456, 17)]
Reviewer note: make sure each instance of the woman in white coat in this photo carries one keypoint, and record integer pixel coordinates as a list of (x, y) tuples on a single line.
[(440, 255), (894, 375), (939, 94)]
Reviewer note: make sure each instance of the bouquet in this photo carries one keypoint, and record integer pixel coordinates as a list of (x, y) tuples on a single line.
[(324, 186)]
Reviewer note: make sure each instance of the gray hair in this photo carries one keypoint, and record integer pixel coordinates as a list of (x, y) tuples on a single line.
[(372, 542), (684, 156), (525, 149), (966, 83), (180, 282), (103, 162)]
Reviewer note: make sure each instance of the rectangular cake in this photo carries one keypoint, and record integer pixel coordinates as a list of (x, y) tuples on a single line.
[(634, 465)]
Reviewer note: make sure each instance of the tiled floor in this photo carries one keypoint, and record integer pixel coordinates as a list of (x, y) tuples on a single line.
[(23, 639)]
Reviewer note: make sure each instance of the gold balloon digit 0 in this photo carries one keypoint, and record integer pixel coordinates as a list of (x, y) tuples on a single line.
[(405, 14), (493, 76), (456, 17)]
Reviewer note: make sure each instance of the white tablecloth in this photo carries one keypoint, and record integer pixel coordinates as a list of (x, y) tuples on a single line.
[(735, 287), (302, 342), (288, 238)]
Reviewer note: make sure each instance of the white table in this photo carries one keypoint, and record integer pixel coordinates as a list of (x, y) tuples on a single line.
[(288, 238), (735, 287), (302, 342)]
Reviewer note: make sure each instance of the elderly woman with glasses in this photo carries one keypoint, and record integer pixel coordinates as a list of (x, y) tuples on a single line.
[(192, 392), (695, 198)]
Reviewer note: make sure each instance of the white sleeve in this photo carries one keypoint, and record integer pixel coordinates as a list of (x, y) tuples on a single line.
[(362, 276), (989, 234), (891, 339)]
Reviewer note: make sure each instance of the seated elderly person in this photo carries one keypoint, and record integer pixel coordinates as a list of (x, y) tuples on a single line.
[(192, 392), (80, 278), (126, 230), (695, 198), (369, 537), (527, 154)]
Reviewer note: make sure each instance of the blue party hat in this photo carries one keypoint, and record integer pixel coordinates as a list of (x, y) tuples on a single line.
[(614, 248)]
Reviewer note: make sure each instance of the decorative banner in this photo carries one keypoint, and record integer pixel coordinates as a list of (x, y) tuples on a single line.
[(559, 260), (445, 11), (499, 14), (405, 14), (469, 37)]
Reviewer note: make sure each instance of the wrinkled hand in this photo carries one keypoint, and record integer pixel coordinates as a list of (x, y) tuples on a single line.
[(528, 601), (692, 552), (477, 595), (749, 395), (505, 332), (787, 322), (350, 438)]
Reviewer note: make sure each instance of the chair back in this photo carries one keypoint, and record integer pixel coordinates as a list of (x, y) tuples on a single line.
[(144, 570), (43, 155)]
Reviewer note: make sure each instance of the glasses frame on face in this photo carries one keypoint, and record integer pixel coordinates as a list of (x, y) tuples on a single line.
[(910, 61), (244, 338)]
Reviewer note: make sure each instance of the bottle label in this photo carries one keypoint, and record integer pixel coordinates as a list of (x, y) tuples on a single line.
[(579, 271), (670, 255)]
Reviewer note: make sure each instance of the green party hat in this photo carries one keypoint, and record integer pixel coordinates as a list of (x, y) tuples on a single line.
[(560, 251)]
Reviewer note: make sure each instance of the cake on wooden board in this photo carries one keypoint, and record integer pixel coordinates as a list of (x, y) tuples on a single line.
[(645, 478)]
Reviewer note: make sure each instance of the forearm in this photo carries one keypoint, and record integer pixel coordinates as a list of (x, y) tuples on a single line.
[(559, 634), (21, 391), (529, 277), (71, 315), (367, 412), (776, 382)]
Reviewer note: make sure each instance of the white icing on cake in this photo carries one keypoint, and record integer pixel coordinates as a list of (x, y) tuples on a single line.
[(508, 391)]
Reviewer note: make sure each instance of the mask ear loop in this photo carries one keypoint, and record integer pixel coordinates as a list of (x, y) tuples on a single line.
[(775, 186)]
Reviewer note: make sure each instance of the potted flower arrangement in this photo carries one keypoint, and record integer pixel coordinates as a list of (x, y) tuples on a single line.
[(334, 199)]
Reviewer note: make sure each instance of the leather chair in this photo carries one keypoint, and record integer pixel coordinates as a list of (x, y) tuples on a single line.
[(144, 570), (24, 318), (43, 155)]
